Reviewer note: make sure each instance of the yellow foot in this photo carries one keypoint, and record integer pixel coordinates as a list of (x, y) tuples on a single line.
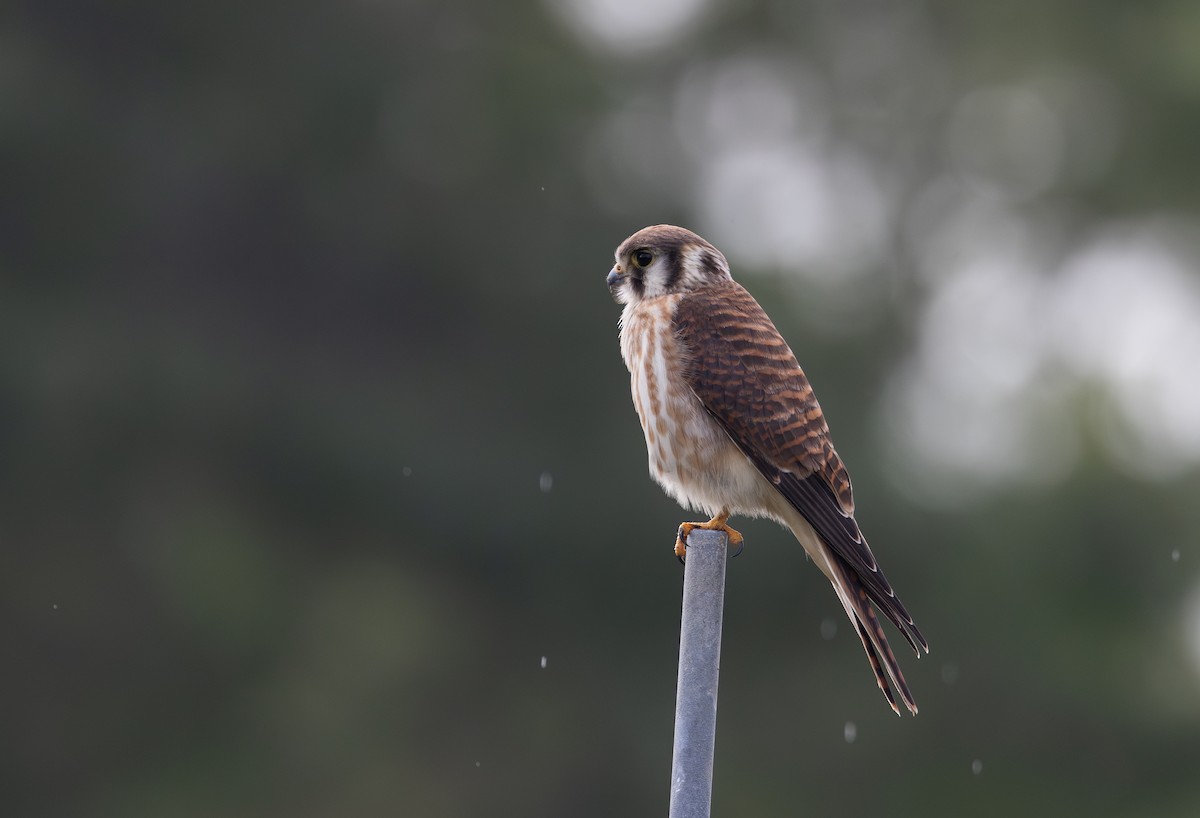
[(715, 524)]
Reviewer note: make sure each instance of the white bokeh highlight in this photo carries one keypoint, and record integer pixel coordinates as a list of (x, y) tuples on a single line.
[(628, 26), (1127, 317), (1019, 358)]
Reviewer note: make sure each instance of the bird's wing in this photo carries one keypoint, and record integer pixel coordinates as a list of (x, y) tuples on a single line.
[(747, 378)]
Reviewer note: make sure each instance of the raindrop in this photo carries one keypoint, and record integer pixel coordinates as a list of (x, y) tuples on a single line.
[(976, 766), (1175, 555), (543, 663), (850, 731), (546, 482), (828, 628), (949, 673), (406, 471)]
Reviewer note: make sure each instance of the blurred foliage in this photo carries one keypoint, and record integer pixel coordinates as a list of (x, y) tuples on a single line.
[(321, 489)]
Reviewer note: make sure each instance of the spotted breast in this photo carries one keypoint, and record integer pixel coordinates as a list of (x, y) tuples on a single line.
[(690, 455)]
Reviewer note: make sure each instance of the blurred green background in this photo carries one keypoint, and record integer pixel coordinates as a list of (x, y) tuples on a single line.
[(321, 490)]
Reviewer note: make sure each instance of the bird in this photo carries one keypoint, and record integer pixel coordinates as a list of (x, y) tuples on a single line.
[(732, 425)]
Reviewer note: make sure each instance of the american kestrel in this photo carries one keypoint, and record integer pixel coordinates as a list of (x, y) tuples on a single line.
[(732, 425)]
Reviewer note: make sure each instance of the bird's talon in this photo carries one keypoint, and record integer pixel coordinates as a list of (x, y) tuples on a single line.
[(717, 523), (681, 541)]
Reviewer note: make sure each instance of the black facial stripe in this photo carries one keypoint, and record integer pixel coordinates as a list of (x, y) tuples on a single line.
[(710, 265), (674, 269), (638, 283)]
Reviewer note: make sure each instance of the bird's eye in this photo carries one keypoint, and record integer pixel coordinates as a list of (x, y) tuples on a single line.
[(642, 258)]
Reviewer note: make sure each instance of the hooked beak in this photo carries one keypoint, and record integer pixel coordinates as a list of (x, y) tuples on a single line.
[(614, 279)]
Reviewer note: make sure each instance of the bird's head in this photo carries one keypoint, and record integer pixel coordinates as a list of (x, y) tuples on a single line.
[(662, 260)]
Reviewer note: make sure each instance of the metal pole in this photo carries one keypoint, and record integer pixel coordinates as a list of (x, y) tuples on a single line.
[(699, 667)]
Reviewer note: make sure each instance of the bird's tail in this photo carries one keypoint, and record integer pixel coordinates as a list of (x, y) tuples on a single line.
[(857, 602)]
